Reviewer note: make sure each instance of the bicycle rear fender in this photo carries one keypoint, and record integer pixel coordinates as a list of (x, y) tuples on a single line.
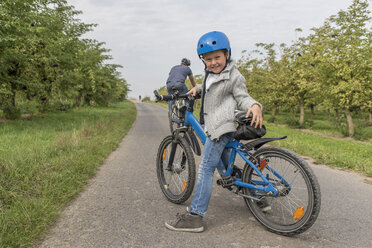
[(255, 144), (193, 142)]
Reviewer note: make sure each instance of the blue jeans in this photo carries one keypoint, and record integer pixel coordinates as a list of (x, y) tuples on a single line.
[(213, 151), (181, 87)]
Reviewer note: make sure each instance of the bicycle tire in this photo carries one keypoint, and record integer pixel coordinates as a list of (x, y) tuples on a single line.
[(170, 117), (297, 207), (174, 114), (183, 170)]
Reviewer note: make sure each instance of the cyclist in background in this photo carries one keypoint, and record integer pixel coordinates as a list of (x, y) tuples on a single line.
[(177, 77)]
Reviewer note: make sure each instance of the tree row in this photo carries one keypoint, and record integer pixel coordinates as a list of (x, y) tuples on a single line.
[(330, 68), (45, 61)]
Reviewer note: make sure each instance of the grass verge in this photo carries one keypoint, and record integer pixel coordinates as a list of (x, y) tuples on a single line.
[(326, 123), (344, 154), (45, 162)]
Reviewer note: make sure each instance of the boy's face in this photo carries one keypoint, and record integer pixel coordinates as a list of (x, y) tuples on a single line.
[(216, 60)]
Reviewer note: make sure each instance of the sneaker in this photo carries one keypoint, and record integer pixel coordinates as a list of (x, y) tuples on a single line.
[(264, 205), (186, 223)]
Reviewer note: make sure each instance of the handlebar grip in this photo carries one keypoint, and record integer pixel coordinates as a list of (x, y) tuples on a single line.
[(189, 97), (158, 96), (167, 97)]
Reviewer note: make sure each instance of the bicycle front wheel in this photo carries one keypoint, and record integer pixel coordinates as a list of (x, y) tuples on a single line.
[(174, 117), (176, 180), (296, 207)]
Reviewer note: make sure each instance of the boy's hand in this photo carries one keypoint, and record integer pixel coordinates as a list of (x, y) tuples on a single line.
[(257, 115), (193, 91)]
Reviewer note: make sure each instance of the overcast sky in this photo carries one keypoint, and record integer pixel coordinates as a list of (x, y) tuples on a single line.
[(148, 37)]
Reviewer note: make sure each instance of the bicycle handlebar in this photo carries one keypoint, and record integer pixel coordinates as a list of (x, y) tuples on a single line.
[(174, 97)]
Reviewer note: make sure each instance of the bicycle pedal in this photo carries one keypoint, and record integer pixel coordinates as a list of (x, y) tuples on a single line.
[(226, 181)]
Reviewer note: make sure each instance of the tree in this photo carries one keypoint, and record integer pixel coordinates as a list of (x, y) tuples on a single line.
[(304, 84), (344, 42), (44, 59), (266, 76), (16, 23)]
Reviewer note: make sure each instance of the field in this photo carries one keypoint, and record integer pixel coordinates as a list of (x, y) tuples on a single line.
[(47, 160)]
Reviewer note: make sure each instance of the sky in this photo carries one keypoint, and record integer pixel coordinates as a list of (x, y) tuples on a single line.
[(148, 37)]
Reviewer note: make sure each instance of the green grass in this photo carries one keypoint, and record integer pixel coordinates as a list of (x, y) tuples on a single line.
[(46, 161), (344, 154), (326, 123)]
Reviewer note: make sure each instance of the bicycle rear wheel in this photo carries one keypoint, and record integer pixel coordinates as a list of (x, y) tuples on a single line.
[(296, 207), (176, 181)]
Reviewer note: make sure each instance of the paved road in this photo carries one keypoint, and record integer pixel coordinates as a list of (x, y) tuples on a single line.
[(124, 207)]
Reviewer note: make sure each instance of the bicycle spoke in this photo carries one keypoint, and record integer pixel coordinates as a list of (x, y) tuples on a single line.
[(295, 204), (176, 180), (176, 184)]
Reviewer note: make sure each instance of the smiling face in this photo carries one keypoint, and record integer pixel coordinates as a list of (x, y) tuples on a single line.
[(216, 60)]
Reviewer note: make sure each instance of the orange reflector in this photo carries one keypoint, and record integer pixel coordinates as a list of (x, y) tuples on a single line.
[(298, 213), (263, 164), (184, 186), (164, 153)]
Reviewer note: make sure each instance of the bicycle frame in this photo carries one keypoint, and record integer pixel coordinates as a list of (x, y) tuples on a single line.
[(236, 148)]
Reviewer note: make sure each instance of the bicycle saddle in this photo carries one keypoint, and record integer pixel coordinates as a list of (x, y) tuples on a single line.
[(241, 118)]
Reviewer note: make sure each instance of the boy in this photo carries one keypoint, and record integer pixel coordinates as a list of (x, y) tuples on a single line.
[(223, 91)]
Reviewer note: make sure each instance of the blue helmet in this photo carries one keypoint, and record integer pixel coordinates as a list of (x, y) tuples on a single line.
[(213, 41)]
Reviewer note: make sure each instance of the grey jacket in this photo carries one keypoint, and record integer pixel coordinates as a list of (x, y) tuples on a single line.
[(227, 93)]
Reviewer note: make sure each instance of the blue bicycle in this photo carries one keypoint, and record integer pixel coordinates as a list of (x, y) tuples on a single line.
[(277, 185)]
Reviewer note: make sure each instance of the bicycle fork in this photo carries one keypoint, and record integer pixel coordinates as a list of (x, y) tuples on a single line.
[(171, 156), (173, 149)]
